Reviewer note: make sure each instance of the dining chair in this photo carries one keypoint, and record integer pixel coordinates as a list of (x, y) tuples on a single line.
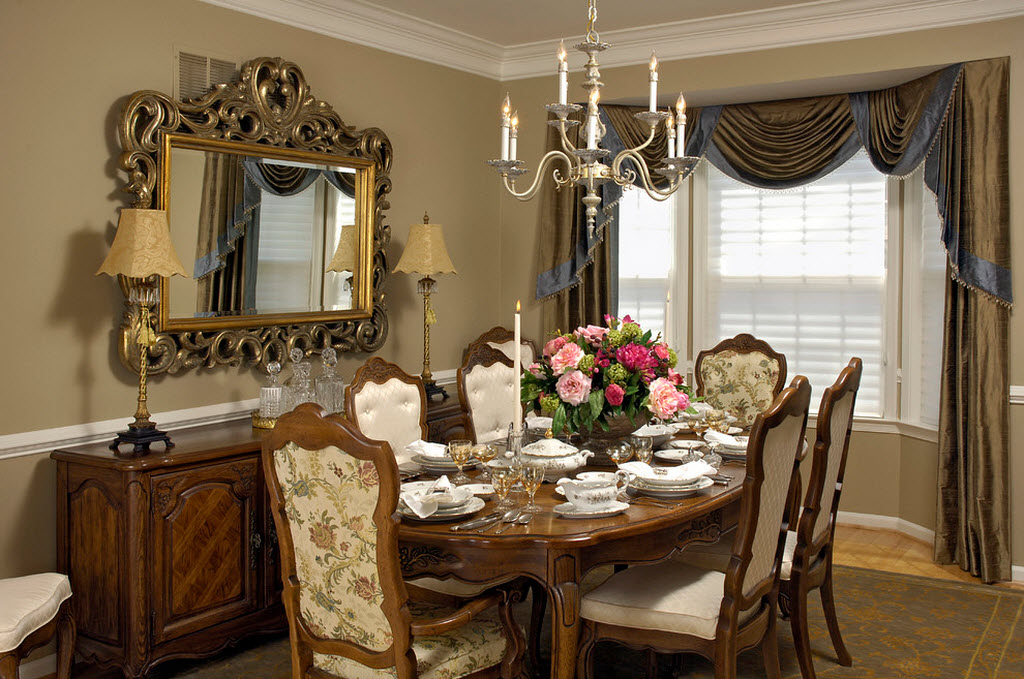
[(502, 339), (740, 375), (487, 385), (672, 607), (33, 610), (334, 498), (387, 404)]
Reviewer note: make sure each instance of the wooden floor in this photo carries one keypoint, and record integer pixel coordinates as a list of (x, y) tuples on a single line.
[(886, 550)]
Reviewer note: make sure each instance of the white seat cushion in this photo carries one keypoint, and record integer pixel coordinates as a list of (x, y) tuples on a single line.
[(27, 603), (474, 646), (715, 556), (668, 596)]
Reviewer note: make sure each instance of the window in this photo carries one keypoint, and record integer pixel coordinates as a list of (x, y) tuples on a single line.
[(818, 272)]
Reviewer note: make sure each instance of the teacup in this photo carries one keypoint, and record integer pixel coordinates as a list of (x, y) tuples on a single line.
[(590, 495)]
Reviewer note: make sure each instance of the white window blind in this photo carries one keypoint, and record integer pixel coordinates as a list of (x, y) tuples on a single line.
[(646, 258), (286, 274), (803, 269)]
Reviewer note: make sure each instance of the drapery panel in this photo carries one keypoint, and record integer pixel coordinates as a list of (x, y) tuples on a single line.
[(955, 121)]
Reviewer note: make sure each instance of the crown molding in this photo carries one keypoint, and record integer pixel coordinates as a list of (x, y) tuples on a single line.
[(801, 23)]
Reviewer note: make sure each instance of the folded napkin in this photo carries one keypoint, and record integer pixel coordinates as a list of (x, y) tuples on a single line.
[(654, 430), (701, 406), (538, 422), (691, 471), (725, 440), (424, 502), (427, 449)]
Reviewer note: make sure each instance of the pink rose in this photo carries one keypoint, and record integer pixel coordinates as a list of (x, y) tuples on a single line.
[(536, 370), (573, 387), (635, 358), (664, 399), (552, 347), (567, 358), (662, 351), (675, 378), (592, 334), (614, 394)]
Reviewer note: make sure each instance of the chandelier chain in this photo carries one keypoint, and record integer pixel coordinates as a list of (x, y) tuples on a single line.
[(592, 35)]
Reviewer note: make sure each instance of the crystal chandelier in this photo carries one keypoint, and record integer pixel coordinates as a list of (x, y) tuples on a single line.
[(587, 166)]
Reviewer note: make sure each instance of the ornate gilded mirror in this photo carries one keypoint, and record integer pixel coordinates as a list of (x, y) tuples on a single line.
[(276, 208)]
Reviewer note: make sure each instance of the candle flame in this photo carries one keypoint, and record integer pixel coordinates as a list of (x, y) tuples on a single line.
[(680, 106), (506, 106), (654, 62), (517, 306), (561, 51), (515, 120), (670, 123)]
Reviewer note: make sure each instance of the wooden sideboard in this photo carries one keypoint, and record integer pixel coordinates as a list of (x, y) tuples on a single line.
[(174, 555)]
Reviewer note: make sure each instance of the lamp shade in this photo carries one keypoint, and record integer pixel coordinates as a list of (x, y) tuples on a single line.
[(425, 252), (142, 246), (345, 256)]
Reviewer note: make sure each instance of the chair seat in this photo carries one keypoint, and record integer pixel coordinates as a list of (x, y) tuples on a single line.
[(715, 555), (472, 647), (27, 603), (453, 587), (669, 596)]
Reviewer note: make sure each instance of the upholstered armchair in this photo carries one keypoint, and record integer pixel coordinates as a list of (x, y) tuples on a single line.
[(672, 606), (334, 496), (34, 609), (741, 375), (487, 385), (387, 404), (503, 340)]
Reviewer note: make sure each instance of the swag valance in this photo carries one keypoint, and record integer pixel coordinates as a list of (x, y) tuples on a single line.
[(954, 120)]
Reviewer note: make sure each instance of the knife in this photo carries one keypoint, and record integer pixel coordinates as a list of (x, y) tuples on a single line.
[(476, 523)]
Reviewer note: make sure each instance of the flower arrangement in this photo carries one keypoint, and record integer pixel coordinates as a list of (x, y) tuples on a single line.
[(596, 373)]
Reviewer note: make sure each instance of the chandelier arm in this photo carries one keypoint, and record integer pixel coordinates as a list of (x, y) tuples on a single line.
[(551, 157), (644, 174), (641, 147)]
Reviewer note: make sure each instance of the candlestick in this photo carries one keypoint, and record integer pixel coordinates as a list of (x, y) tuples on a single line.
[(592, 120), (517, 366), (681, 124), (563, 75), (513, 134), (671, 131), (506, 108), (653, 104)]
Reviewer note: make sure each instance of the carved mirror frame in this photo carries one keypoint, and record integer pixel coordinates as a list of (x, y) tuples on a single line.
[(270, 105)]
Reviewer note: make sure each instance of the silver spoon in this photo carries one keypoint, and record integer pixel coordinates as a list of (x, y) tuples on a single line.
[(508, 518), (522, 521)]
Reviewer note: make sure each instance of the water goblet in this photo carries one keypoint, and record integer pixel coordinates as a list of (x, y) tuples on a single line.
[(485, 452), (620, 453), (459, 450), (532, 475), (502, 478), (643, 448)]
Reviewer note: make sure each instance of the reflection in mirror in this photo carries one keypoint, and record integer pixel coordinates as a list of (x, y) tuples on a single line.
[(264, 235)]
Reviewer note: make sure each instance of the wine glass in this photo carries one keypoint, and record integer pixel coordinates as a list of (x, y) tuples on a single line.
[(459, 450), (485, 452), (643, 448), (532, 475), (620, 453), (502, 478)]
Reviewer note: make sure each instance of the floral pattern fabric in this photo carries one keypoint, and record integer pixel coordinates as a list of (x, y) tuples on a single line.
[(467, 649), (739, 383)]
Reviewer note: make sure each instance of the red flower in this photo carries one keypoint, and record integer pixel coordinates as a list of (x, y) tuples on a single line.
[(636, 358), (614, 394)]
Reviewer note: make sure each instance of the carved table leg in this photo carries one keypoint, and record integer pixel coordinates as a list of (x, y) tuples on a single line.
[(563, 585)]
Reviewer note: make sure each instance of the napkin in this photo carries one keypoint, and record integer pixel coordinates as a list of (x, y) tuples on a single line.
[(427, 449), (537, 422), (423, 503), (691, 471), (724, 440), (653, 430)]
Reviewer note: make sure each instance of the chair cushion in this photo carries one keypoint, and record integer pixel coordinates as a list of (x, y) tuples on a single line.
[(715, 556), (390, 412), (490, 394), (472, 647), (669, 596), (27, 603)]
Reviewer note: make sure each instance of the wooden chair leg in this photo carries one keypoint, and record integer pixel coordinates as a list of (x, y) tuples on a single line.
[(801, 635), (9, 665), (539, 603), (829, 605), (770, 649), (584, 654), (66, 633), (725, 659)]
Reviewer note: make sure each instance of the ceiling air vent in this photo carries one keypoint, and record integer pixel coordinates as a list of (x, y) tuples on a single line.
[(196, 74)]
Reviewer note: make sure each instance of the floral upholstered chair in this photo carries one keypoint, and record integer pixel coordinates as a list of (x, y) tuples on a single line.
[(334, 496), (387, 404), (741, 376), (487, 385), (673, 606), (503, 339)]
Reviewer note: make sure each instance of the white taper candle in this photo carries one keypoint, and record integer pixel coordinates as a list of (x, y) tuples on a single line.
[(517, 361), (653, 104)]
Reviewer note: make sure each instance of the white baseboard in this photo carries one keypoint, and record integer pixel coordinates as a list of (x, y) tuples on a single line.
[(40, 667)]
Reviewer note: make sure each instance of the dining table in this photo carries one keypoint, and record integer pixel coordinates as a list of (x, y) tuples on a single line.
[(557, 552)]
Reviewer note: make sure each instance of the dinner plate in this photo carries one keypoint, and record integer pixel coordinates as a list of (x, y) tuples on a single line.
[(686, 444), (664, 484), (444, 464), (481, 489), (471, 506), (673, 493), (458, 495), (678, 455), (568, 510)]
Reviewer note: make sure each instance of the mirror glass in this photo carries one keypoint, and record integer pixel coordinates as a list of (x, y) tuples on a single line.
[(262, 233)]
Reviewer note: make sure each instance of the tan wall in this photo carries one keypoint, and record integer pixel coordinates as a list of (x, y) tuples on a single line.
[(889, 475), (70, 65)]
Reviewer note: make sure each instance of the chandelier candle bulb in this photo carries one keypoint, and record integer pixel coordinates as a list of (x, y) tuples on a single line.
[(513, 136), (563, 76), (506, 122), (653, 104), (671, 131), (517, 359), (681, 125)]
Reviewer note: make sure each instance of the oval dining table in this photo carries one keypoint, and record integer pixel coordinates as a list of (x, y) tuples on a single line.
[(557, 552)]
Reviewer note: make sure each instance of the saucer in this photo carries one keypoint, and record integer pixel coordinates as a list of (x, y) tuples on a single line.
[(568, 510)]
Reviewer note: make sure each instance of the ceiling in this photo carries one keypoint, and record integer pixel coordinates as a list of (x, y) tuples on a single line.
[(511, 39)]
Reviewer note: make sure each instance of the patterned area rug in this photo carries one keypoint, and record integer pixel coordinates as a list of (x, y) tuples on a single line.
[(895, 626)]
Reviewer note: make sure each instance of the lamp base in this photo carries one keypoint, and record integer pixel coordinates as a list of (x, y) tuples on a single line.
[(434, 389), (140, 438)]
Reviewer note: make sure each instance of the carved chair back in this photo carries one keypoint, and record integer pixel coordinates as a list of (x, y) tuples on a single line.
[(503, 339), (487, 390), (387, 404), (741, 375), (334, 495)]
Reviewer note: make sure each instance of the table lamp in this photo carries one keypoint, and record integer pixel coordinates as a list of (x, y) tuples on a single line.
[(425, 254), (141, 250)]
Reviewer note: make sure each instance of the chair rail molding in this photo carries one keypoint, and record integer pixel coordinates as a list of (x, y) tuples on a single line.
[(799, 23)]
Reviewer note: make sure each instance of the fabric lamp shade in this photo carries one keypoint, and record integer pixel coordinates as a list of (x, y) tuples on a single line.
[(345, 256), (425, 252), (142, 246)]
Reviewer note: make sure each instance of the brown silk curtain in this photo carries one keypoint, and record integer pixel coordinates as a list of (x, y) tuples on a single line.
[(221, 247)]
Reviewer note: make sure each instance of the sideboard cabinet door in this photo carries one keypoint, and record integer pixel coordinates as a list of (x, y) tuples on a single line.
[(206, 546)]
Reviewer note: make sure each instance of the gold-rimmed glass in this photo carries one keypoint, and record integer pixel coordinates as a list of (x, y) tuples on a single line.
[(485, 452), (459, 450), (503, 477), (643, 448), (532, 475), (620, 453)]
